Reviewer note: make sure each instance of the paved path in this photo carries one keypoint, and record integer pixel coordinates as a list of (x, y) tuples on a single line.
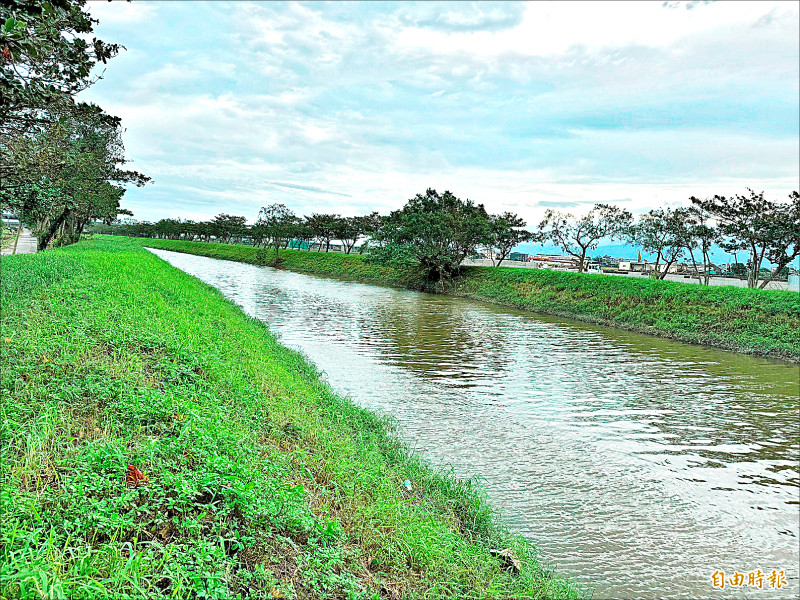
[(26, 244)]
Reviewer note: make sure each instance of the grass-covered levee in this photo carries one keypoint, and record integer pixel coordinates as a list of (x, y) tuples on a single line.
[(752, 321), (157, 442)]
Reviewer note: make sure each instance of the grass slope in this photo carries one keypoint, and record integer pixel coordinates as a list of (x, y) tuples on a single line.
[(760, 322), (262, 482)]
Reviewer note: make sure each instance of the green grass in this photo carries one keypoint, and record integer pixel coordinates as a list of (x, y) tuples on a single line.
[(262, 482), (759, 322), (7, 236), (334, 264)]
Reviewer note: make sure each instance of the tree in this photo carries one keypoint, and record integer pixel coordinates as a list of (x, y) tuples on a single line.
[(437, 231), (577, 235), (349, 230), (302, 233), (374, 225), (702, 235), (506, 233), (665, 233), (46, 58), (324, 228), (738, 270), (226, 227), (60, 161), (66, 172), (783, 244), (760, 226), (277, 222)]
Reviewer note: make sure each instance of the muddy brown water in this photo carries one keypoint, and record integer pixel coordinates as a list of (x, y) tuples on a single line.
[(638, 466)]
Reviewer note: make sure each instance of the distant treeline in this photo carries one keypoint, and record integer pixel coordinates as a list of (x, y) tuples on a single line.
[(433, 233)]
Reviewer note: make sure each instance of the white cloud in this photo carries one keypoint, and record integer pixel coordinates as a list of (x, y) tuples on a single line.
[(345, 108), (122, 12)]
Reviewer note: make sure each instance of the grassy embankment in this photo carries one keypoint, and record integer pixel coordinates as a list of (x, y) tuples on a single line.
[(760, 322), (262, 482)]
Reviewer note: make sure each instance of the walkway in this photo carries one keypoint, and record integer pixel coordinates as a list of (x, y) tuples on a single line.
[(25, 245)]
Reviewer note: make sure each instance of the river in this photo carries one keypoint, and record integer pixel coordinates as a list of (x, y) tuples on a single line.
[(638, 466)]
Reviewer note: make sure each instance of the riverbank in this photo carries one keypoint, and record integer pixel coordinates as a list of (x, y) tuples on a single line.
[(160, 442), (758, 322)]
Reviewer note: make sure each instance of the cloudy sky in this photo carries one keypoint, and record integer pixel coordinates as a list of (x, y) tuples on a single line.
[(355, 107)]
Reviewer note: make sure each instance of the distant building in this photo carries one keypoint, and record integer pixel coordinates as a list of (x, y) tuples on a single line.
[(633, 266), (646, 267), (556, 261), (519, 256), (594, 268)]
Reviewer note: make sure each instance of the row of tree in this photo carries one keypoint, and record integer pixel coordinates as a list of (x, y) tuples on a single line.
[(766, 230), (61, 161), (436, 232)]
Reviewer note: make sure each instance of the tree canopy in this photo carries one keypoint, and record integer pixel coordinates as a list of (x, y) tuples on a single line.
[(577, 235), (61, 161), (506, 231), (45, 57), (438, 231), (762, 227), (664, 232)]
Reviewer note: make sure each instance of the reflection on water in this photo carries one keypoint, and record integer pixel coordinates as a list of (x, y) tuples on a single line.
[(638, 466)]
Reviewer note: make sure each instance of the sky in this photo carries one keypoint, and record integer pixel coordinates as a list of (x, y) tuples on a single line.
[(353, 107)]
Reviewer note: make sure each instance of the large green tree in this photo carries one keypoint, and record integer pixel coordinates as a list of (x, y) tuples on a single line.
[(324, 228), (349, 230), (66, 173), (437, 231), (276, 223), (228, 228), (61, 162)]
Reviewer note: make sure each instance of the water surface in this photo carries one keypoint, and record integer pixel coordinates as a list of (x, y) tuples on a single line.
[(638, 466)]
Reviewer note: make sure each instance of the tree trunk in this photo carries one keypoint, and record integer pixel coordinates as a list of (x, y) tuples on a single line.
[(582, 259), (666, 269), (44, 241), (694, 264), (752, 279), (16, 239), (81, 227), (658, 261), (774, 274)]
